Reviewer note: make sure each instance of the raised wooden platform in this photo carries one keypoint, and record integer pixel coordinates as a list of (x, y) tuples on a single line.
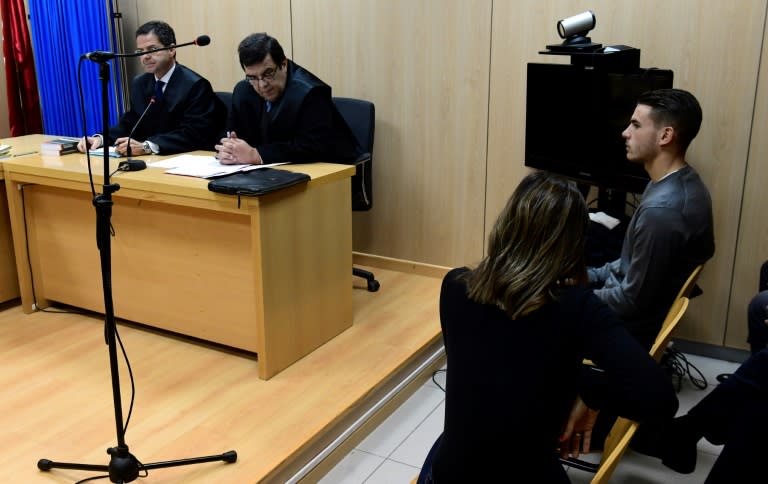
[(194, 399)]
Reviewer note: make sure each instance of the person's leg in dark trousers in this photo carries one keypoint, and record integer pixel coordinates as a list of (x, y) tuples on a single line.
[(733, 415), (757, 336), (742, 458), (757, 314)]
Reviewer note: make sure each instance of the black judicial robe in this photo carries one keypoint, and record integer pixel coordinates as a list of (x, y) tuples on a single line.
[(189, 116), (303, 126)]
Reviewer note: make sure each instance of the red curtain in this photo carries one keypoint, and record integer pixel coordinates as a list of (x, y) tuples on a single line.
[(23, 101)]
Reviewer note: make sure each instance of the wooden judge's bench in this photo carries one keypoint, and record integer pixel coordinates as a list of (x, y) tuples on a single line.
[(269, 274)]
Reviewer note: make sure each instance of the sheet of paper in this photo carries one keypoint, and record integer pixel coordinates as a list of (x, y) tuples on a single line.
[(100, 152), (180, 160), (202, 166)]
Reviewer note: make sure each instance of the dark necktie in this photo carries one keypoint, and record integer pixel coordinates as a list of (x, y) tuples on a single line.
[(264, 124), (159, 90)]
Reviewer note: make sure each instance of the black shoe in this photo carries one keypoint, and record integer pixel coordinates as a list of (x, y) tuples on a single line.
[(671, 443)]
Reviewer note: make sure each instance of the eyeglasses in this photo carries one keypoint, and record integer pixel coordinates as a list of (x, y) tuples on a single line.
[(268, 76)]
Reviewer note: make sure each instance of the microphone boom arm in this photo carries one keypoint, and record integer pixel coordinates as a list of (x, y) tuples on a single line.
[(103, 56)]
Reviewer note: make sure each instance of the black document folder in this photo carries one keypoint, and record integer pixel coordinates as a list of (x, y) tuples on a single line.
[(257, 182)]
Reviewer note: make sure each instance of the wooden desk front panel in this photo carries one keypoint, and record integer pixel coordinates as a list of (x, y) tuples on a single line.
[(177, 268), (306, 256), (9, 281)]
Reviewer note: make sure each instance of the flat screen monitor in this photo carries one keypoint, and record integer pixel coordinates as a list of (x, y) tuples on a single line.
[(574, 119)]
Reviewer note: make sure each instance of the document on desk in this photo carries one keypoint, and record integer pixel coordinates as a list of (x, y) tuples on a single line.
[(111, 152), (201, 166)]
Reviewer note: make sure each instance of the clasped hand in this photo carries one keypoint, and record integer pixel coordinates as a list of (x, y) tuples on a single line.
[(121, 146), (233, 151)]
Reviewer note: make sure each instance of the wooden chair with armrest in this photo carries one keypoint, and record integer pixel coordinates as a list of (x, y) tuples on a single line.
[(689, 287), (686, 290), (623, 430)]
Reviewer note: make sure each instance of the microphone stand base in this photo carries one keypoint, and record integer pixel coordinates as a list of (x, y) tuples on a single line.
[(124, 467)]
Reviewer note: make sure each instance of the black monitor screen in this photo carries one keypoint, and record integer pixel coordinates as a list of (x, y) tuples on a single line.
[(574, 119)]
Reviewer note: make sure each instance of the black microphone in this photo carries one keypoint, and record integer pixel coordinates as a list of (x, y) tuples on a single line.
[(99, 56), (131, 165), (202, 41), (102, 56), (129, 161)]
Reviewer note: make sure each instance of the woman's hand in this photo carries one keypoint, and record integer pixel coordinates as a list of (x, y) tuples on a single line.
[(577, 435)]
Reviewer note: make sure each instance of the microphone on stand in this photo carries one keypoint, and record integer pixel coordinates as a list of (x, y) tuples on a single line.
[(103, 56), (201, 41), (130, 164)]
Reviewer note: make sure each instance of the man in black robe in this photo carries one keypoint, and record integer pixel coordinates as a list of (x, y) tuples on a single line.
[(181, 111), (281, 112)]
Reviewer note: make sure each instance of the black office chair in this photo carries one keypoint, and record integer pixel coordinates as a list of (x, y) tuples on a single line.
[(226, 98), (360, 116)]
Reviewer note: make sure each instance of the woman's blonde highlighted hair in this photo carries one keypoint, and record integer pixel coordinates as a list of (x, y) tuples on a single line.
[(536, 244)]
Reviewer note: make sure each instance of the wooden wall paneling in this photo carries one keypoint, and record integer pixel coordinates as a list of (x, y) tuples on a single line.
[(425, 66), (520, 31), (693, 46), (227, 23), (447, 90), (752, 236), (687, 38)]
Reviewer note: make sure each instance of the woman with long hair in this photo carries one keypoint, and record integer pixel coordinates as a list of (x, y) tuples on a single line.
[(516, 329)]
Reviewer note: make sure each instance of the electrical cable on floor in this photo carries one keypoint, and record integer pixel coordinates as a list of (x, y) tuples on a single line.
[(434, 379), (678, 366)]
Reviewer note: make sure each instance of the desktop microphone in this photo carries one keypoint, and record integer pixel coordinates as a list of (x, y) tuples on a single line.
[(129, 161), (102, 56), (131, 165)]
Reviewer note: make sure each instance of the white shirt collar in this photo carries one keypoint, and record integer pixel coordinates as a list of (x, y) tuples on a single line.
[(167, 75)]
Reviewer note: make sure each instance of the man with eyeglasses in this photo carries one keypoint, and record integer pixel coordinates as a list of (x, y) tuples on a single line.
[(281, 112), (182, 111)]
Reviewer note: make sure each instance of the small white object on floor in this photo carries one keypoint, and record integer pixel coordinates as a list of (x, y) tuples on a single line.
[(604, 219)]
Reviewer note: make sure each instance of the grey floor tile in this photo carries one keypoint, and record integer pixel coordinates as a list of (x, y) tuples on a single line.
[(355, 468), (414, 449), (398, 426), (391, 472)]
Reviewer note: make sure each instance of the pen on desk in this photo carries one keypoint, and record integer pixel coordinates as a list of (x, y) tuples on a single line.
[(25, 153)]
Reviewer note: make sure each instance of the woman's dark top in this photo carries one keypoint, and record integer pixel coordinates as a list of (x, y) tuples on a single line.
[(511, 383)]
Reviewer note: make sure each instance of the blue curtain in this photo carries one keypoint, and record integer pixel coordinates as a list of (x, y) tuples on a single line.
[(62, 30)]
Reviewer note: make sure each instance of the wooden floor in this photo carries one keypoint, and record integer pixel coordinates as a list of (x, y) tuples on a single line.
[(194, 399)]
